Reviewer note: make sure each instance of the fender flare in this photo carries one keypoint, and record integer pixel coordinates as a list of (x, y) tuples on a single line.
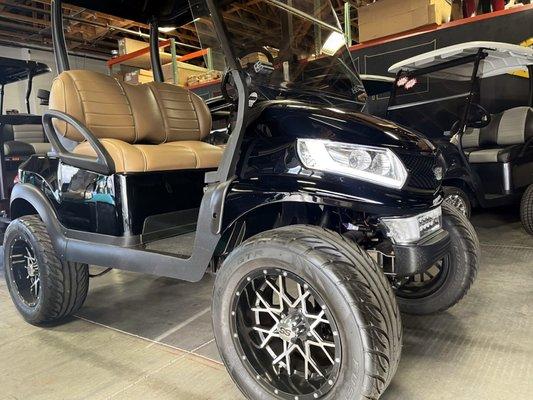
[(46, 212)]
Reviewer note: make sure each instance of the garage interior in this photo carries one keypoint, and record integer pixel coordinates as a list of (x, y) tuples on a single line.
[(146, 337), (140, 336)]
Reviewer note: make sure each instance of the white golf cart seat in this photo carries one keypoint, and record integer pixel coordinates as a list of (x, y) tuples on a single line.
[(150, 127), (502, 140), (24, 140)]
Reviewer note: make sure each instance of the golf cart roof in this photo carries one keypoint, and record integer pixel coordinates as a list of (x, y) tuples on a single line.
[(13, 70), (377, 84), (175, 12), (501, 58)]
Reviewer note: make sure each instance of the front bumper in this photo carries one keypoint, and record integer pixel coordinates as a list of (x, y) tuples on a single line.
[(417, 257)]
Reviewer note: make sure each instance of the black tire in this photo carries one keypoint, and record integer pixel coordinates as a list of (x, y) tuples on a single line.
[(459, 199), (457, 274), (358, 296), (526, 210), (63, 286)]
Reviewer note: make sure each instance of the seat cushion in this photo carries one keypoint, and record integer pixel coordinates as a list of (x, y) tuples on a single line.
[(41, 148), (17, 148), (150, 157), (207, 155), (501, 155)]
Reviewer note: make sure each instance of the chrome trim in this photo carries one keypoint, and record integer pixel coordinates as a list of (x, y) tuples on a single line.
[(506, 176)]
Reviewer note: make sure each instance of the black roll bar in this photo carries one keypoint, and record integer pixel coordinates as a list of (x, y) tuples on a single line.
[(155, 60), (102, 164), (2, 91), (58, 37), (29, 88)]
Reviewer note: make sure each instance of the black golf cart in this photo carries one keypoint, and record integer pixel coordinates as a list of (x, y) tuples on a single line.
[(489, 154), (21, 135), (318, 220)]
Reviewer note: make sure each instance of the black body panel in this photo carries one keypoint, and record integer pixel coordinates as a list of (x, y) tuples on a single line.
[(115, 205), (269, 169)]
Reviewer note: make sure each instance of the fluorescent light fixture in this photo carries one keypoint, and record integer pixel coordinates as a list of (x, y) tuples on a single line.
[(333, 43), (166, 29)]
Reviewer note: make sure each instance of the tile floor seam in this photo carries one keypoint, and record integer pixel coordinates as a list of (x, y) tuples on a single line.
[(152, 342), (146, 376), (507, 246)]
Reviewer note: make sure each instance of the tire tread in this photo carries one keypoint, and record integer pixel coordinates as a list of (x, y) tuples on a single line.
[(526, 210), (374, 296), (68, 282)]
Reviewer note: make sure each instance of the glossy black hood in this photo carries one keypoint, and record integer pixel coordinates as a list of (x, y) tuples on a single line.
[(269, 159), (299, 119)]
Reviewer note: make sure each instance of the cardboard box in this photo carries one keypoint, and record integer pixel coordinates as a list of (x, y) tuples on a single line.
[(127, 45), (184, 72), (139, 77), (389, 17)]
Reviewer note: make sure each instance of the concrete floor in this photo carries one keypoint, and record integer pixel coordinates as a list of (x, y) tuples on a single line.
[(140, 337)]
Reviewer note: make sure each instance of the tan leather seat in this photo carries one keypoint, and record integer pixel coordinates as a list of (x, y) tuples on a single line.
[(151, 127)]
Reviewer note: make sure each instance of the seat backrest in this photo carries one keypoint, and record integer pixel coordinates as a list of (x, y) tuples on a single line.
[(27, 133), (510, 127), (515, 126), (151, 113)]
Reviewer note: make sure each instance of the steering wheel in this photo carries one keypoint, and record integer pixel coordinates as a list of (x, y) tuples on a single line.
[(249, 70), (225, 82), (478, 117)]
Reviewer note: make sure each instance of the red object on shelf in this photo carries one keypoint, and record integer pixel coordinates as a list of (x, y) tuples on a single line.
[(470, 8), (498, 5)]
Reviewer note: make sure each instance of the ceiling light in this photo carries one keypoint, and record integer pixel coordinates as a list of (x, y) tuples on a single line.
[(333, 43), (166, 29)]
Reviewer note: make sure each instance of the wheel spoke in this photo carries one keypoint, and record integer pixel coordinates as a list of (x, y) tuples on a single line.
[(280, 292), (287, 329), (25, 269)]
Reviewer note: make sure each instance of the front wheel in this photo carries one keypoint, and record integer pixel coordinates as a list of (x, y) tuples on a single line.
[(526, 210), (300, 313), (459, 199), (444, 284)]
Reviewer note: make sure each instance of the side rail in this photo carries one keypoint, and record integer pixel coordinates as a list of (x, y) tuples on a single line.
[(102, 163)]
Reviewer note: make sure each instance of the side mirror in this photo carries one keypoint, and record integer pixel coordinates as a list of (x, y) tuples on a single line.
[(43, 96)]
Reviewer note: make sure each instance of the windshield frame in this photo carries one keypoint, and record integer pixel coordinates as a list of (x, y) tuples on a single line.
[(475, 59), (337, 71)]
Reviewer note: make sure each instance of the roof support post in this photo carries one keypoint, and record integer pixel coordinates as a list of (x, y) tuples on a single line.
[(175, 79), (58, 37), (155, 60), (347, 24), (530, 72), (2, 87), (28, 90)]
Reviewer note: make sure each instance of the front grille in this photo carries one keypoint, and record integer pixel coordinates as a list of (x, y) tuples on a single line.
[(421, 171)]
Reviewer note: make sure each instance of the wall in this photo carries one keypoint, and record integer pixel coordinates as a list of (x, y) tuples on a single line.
[(15, 92)]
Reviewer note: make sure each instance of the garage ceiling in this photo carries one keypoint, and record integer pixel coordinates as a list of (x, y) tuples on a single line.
[(27, 23)]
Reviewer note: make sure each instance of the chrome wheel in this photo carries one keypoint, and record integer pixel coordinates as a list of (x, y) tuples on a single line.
[(458, 202), (25, 271), (285, 334)]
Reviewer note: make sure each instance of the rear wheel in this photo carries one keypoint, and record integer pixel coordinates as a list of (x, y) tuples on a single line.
[(444, 284), (43, 288), (300, 313), (526, 210), (459, 199)]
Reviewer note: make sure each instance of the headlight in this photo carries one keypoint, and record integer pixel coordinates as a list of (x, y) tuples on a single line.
[(412, 229), (373, 164)]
